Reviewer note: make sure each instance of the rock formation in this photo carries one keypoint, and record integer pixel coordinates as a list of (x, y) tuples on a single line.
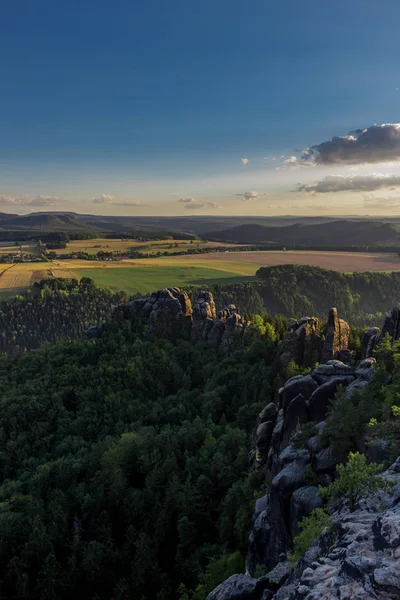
[(374, 336), (168, 313), (359, 559), (305, 343), (303, 399)]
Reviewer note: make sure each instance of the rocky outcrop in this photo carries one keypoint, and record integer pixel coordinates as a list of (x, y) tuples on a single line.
[(302, 343), (373, 337), (303, 399), (336, 340), (357, 558), (168, 313), (306, 343)]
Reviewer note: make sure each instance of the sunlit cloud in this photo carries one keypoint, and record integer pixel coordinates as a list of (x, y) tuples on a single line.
[(187, 200), (245, 161), (355, 183), (375, 144), (27, 200), (246, 196), (103, 199)]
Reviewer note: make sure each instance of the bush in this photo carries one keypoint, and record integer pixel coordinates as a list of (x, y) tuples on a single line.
[(355, 479), (311, 528)]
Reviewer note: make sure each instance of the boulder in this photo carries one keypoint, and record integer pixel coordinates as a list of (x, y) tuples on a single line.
[(366, 369), (288, 480), (324, 372), (238, 587), (268, 413), (296, 414), (300, 384), (337, 334), (320, 399), (326, 461), (356, 386), (289, 454), (303, 501), (263, 440)]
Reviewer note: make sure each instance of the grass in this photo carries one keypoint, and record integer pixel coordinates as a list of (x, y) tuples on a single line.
[(122, 245), (145, 275)]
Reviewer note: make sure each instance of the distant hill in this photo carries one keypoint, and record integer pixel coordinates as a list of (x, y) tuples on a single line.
[(333, 233), (42, 222)]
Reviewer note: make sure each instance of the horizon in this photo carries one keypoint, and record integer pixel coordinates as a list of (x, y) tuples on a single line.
[(181, 111)]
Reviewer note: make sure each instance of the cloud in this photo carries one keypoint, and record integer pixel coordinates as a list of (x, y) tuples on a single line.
[(246, 196), (291, 161), (187, 200), (375, 144), (198, 205), (28, 200), (371, 201), (245, 161), (355, 183), (126, 203), (103, 199)]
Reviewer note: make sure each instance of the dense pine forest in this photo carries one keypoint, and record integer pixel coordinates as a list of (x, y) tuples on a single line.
[(124, 465)]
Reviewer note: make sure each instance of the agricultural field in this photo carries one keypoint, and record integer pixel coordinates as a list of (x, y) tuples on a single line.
[(24, 247), (145, 275), (123, 245)]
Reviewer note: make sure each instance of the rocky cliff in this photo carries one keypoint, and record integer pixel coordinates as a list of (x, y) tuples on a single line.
[(169, 313), (358, 559), (362, 561)]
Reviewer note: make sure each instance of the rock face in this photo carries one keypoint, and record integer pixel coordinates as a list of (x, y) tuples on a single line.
[(374, 336), (336, 337), (168, 313), (359, 559), (304, 343), (303, 399)]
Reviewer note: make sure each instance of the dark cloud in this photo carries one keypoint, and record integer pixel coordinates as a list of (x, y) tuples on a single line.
[(356, 183), (375, 144), (187, 200)]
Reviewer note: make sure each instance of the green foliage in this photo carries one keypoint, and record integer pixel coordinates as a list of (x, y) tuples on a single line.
[(387, 432), (124, 465), (311, 528), (305, 432), (356, 478)]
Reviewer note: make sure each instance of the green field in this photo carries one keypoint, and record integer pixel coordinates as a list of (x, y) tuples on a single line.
[(148, 279)]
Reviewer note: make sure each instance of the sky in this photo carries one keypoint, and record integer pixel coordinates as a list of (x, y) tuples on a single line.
[(262, 107)]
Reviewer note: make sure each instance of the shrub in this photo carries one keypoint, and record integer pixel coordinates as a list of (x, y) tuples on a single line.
[(355, 479), (311, 528)]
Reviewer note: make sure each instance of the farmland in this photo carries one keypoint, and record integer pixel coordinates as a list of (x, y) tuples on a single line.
[(144, 275), (96, 245)]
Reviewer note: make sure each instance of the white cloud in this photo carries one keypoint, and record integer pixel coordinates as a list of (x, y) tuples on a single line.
[(246, 196), (355, 183), (103, 199), (200, 205), (375, 144), (245, 161), (28, 200), (187, 200), (291, 161)]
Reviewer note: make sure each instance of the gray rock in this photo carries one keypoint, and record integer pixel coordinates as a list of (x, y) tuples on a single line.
[(289, 454), (378, 451), (237, 587), (278, 575), (268, 413), (296, 415), (324, 372), (357, 386), (369, 341), (263, 440), (289, 479), (303, 501), (337, 334), (366, 369), (304, 385), (326, 461), (320, 399)]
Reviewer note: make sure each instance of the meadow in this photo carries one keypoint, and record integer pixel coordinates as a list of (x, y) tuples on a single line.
[(146, 275)]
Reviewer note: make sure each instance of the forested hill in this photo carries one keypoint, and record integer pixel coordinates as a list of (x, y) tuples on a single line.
[(124, 465), (334, 233), (52, 310), (60, 309)]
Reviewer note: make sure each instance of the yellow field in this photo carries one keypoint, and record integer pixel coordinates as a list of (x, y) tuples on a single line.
[(122, 245), (146, 275), (25, 247)]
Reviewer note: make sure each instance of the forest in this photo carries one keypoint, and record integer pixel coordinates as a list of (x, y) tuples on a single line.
[(124, 464)]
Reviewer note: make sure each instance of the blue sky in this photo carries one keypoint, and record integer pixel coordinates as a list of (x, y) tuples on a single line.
[(138, 105)]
